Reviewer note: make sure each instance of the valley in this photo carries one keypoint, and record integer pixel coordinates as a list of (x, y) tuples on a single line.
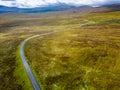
[(82, 54)]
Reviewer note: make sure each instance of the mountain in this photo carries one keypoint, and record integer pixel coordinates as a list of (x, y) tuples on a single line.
[(104, 8), (112, 6), (60, 7), (4, 9), (48, 8)]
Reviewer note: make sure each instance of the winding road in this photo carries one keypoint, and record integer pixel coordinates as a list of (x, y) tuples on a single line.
[(28, 70), (24, 60)]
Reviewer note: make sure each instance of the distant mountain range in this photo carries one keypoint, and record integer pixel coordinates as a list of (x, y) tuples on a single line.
[(60, 7), (104, 8)]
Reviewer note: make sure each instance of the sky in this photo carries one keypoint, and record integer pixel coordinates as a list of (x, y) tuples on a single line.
[(40, 3)]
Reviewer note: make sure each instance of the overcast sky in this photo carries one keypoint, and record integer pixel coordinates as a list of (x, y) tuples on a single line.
[(38, 3)]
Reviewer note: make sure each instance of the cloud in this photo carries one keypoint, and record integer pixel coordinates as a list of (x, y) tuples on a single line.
[(39, 3)]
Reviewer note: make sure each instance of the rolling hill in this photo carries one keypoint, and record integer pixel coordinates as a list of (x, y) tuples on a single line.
[(60, 7)]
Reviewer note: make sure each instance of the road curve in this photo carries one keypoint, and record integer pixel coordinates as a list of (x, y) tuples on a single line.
[(24, 61), (28, 70)]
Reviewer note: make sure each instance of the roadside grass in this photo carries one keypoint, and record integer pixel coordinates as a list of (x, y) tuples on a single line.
[(85, 58), (8, 65), (20, 73), (79, 59)]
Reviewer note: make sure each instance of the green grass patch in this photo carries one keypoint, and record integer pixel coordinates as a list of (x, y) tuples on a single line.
[(20, 73)]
